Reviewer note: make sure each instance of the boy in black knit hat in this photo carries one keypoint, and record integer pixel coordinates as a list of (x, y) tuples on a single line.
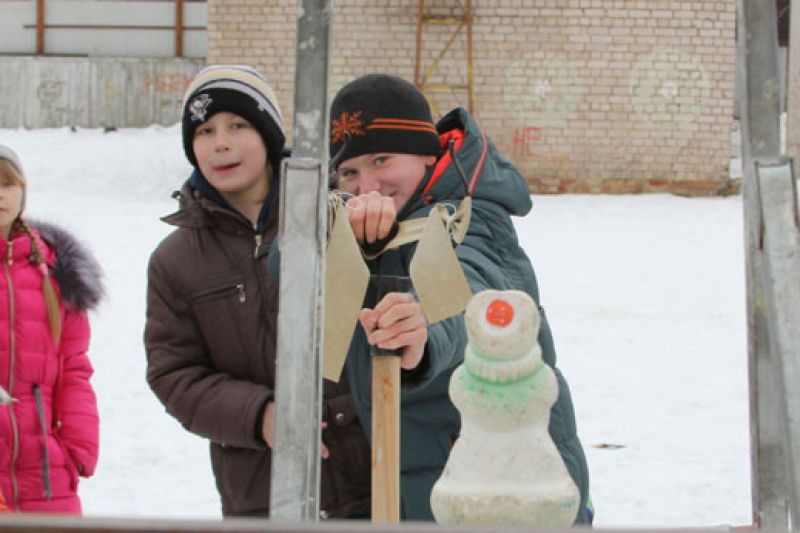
[(387, 152), (210, 334)]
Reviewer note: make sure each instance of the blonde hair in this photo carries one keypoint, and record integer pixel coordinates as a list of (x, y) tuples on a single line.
[(10, 172)]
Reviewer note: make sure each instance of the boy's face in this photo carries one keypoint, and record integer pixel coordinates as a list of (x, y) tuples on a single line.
[(231, 155), (392, 175)]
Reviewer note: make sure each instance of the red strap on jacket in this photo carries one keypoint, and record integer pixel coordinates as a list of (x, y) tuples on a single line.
[(444, 139)]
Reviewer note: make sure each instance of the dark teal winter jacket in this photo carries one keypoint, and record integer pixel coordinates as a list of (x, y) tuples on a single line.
[(491, 259)]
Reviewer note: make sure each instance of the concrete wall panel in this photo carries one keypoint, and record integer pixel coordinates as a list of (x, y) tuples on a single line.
[(47, 92)]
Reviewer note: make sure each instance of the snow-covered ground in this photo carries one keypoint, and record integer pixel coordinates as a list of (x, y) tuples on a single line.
[(645, 296)]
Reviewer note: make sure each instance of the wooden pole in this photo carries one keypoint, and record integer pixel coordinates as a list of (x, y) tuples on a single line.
[(386, 416), (40, 8), (386, 439), (178, 28)]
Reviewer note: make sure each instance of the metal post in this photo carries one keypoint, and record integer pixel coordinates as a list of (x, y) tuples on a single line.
[(793, 83), (40, 18), (758, 48), (303, 220), (780, 289), (771, 357), (178, 28), (774, 313), (766, 455)]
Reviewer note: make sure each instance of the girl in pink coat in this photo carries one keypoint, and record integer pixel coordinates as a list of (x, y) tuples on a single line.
[(48, 410)]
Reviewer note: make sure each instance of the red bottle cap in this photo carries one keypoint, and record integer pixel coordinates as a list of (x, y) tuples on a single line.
[(499, 313)]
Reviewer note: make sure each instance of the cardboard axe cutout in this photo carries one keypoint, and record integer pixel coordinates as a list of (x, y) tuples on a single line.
[(442, 291), (436, 275)]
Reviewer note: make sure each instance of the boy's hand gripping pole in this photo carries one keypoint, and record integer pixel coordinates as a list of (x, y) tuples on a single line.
[(386, 416)]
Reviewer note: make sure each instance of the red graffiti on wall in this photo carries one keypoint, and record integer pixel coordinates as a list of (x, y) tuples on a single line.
[(525, 139), (167, 82)]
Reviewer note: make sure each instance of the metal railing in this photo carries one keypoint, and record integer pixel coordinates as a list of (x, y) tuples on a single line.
[(37, 524)]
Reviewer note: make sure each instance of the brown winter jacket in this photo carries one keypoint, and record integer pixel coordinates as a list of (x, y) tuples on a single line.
[(210, 341)]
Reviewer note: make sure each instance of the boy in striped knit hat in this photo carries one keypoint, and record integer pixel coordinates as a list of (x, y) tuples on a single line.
[(211, 326)]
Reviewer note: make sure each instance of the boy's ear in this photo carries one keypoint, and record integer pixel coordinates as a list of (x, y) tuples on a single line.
[(430, 160)]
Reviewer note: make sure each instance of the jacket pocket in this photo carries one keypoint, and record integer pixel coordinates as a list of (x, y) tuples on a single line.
[(220, 310), (64, 471), (222, 290), (346, 435), (347, 489), (242, 476)]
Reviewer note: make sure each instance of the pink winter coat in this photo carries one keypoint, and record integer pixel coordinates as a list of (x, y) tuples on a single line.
[(52, 399)]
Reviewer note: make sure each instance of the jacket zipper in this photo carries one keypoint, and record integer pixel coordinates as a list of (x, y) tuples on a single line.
[(12, 349), (261, 289), (239, 288), (258, 244)]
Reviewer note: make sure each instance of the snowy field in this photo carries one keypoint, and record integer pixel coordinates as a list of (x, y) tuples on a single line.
[(645, 296)]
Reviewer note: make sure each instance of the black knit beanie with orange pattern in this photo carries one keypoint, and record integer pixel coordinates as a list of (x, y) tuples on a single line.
[(381, 113)]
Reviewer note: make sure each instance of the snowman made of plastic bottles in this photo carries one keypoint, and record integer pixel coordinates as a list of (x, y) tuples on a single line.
[(504, 468)]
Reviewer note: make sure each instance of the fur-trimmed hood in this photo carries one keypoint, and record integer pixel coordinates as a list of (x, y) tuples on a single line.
[(77, 272)]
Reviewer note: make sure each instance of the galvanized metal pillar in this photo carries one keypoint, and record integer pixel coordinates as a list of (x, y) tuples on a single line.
[(758, 64), (793, 83), (303, 219), (777, 186), (774, 318), (773, 274)]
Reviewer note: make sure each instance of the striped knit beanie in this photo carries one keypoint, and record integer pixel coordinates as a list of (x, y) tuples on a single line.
[(381, 113), (238, 89)]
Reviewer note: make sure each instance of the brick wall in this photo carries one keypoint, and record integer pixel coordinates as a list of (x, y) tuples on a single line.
[(582, 95)]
